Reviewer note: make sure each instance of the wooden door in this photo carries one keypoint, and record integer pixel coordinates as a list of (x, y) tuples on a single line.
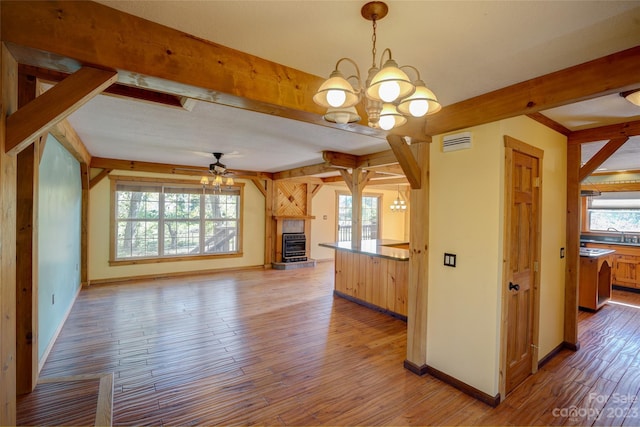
[(522, 238)]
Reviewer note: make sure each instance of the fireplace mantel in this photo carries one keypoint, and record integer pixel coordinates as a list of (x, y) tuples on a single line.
[(286, 217)]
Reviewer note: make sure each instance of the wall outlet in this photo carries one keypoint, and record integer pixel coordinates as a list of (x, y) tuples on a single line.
[(561, 253), (450, 260), (53, 299)]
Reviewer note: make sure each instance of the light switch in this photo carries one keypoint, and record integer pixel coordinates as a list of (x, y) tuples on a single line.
[(449, 260)]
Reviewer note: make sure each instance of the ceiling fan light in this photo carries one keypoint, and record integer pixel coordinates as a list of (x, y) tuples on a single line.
[(229, 181), (217, 180), (390, 83), (204, 180), (632, 96), (342, 115), (336, 92)]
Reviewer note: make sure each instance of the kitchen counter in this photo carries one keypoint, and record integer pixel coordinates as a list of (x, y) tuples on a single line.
[(374, 275), (383, 248), (595, 277), (595, 252)]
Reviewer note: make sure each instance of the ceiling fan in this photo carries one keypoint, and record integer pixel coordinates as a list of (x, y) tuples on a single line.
[(218, 170)]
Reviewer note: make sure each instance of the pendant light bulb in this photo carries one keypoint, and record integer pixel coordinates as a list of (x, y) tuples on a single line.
[(336, 98), (386, 122), (389, 91), (418, 107)]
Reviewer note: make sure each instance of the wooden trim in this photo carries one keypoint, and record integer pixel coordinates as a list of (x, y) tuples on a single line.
[(104, 411), (69, 139), (603, 133), (408, 162), (599, 158), (54, 105), (412, 367), (347, 178), (483, 397), (258, 183), (551, 124), (85, 221), (617, 186), (156, 276)]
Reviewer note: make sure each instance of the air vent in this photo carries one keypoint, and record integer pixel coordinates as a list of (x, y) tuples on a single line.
[(459, 141)]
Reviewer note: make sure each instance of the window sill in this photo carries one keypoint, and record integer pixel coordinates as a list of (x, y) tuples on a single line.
[(134, 261)]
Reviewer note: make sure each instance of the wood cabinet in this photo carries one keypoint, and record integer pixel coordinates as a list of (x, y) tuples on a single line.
[(595, 281), (373, 281), (626, 264)]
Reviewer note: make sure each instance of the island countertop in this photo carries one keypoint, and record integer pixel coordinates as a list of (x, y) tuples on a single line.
[(383, 248)]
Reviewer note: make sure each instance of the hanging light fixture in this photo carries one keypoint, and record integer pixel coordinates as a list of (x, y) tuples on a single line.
[(398, 204), (218, 170), (389, 94), (633, 96)]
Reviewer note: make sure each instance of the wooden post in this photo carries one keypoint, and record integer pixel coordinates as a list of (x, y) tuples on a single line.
[(356, 207), (419, 266), (8, 85), (27, 248), (573, 248), (85, 177), (269, 226)]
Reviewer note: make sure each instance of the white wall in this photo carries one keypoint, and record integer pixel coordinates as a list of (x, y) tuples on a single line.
[(467, 218), (99, 239)]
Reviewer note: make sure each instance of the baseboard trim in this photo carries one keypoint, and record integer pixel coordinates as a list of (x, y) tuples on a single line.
[(412, 367), (571, 346), (553, 353), (492, 401), (369, 305), (128, 279), (49, 347)]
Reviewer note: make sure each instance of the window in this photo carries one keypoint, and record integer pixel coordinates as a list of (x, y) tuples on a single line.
[(615, 211), (174, 219), (370, 223)]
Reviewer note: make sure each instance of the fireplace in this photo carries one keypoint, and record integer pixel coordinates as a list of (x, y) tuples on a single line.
[(294, 247)]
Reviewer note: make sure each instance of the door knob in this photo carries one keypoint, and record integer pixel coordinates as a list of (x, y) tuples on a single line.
[(513, 287)]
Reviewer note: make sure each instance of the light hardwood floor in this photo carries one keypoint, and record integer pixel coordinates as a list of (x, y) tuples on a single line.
[(276, 348)]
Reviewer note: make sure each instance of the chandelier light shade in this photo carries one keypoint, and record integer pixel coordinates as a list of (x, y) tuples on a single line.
[(398, 204), (389, 95), (633, 96), (342, 115)]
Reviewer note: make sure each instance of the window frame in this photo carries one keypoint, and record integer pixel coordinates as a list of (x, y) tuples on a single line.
[(113, 226), (377, 196)]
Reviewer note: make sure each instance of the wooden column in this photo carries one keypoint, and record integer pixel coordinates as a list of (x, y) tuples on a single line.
[(269, 224), (85, 177), (418, 265), (27, 250), (573, 248), (8, 85), (356, 207)]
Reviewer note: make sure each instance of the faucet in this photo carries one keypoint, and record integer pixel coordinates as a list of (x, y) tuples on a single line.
[(617, 231)]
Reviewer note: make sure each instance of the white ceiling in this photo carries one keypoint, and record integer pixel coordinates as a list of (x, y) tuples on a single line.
[(462, 49)]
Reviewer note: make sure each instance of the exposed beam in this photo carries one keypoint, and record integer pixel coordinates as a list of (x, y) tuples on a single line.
[(589, 80), (600, 157), (347, 178), (67, 136), (161, 58), (389, 170), (407, 160), (304, 171), (342, 160), (603, 133), (96, 179), (54, 105), (133, 165), (550, 123), (612, 186), (380, 158), (259, 185), (116, 89)]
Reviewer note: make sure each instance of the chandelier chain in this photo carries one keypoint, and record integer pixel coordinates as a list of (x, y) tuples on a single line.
[(373, 41)]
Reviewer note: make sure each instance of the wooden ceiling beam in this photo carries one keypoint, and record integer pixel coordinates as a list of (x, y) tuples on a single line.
[(342, 160), (600, 157), (592, 79), (604, 133), (304, 171), (407, 160), (133, 165), (54, 105), (68, 137), (380, 158), (550, 123)]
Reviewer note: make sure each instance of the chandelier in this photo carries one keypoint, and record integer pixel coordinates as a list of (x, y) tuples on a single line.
[(398, 204), (389, 95), (218, 170)]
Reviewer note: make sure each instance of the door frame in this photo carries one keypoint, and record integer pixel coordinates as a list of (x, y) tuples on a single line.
[(510, 145)]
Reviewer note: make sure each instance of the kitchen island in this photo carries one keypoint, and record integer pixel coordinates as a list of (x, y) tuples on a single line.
[(373, 274), (595, 278)]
